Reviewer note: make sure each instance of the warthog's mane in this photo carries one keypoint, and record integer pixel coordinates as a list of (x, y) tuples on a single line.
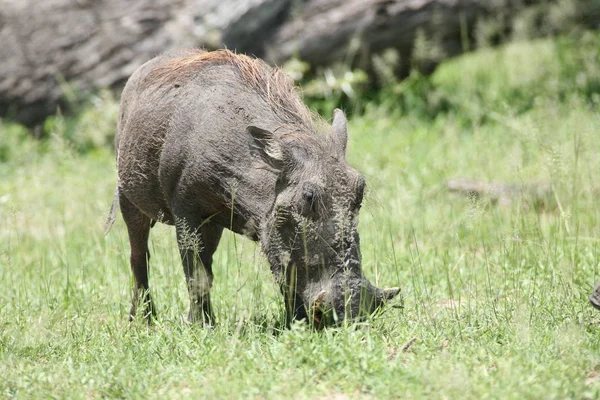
[(272, 84)]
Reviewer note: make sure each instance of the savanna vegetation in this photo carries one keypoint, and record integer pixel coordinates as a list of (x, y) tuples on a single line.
[(494, 296)]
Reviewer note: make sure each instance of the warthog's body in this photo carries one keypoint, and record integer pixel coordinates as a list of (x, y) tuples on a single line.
[(208, 141)]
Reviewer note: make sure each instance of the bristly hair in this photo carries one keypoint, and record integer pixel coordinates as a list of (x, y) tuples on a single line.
[(270, 83)]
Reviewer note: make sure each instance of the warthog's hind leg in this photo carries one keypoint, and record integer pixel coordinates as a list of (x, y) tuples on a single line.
[(138, 228)]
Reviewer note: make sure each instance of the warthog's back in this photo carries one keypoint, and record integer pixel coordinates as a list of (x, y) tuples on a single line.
[(182, 129)]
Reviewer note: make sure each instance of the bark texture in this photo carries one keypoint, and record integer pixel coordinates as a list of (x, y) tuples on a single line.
[(328, 31), (99, 43), (91, 44)]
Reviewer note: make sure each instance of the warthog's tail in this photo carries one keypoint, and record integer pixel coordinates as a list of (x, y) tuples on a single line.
[(112, 214)]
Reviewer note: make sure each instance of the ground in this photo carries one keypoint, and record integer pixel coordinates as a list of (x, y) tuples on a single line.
[(494, 297)]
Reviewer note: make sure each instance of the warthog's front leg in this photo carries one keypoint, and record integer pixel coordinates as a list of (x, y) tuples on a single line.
[(197, 246), (294, 307)]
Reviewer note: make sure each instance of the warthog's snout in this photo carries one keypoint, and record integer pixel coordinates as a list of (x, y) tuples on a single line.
[(334, 305)]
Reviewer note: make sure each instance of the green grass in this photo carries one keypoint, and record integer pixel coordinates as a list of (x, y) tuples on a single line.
[(495, 298)]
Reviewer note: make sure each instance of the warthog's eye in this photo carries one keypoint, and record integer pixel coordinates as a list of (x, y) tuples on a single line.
[(360, 193), (310, 200)]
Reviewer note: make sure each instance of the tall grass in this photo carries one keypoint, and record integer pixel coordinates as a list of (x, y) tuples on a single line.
[(494, 297)]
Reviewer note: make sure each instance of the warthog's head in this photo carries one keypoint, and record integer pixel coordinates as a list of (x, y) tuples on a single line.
[(310, 236)]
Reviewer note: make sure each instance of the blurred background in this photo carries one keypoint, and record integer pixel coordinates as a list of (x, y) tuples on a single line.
[(57, 53)]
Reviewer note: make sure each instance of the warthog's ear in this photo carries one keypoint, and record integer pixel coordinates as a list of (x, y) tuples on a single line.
[(267, 145), (340, 131)]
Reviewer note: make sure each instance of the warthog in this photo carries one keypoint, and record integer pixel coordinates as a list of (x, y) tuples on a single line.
[(214, 140)]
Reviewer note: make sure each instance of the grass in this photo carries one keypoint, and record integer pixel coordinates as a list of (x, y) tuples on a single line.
[(495, 298)]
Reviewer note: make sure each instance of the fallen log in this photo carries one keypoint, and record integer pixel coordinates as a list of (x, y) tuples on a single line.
[(326, 31), (540, 196), (55, 51)]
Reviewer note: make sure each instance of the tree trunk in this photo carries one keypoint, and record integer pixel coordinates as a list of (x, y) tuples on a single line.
[(56, 50), (353, 30)]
